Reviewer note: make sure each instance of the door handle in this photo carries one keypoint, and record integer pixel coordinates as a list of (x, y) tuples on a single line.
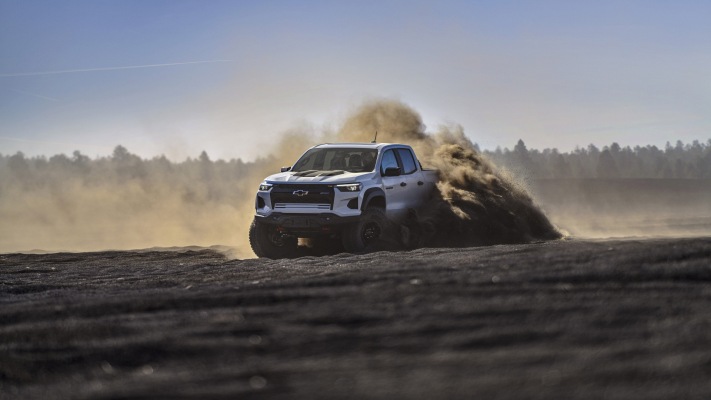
[(403, 184), (420, 183)]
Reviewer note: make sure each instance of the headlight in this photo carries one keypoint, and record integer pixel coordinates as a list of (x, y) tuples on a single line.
[(264, 187), (349, 187)]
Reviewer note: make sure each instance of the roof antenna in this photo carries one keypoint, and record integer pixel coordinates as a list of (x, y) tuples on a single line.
[(375, 138)]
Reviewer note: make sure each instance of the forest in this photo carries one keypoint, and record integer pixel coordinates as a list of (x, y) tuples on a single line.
[(680, 161)]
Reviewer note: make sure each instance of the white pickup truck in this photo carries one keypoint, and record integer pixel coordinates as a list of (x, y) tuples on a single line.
[(346, 190)]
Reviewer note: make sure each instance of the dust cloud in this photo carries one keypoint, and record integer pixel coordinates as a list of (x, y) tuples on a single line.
[(124, 202), (119, 202), (475, 203)]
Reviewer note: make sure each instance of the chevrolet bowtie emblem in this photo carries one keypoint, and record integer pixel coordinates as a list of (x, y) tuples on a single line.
[(300, 192)]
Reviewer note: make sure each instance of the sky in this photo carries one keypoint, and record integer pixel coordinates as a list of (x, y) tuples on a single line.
[(177, 77)]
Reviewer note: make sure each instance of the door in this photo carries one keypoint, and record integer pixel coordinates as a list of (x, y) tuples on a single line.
[(395, 186), (415, 187)]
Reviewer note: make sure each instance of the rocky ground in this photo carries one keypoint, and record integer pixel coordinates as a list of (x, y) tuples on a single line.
[(574, 319)]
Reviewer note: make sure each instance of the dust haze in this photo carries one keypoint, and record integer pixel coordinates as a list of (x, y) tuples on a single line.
[(604, 208), (125, 202)]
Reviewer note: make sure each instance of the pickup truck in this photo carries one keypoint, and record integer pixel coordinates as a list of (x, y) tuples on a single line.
[(346, 191)]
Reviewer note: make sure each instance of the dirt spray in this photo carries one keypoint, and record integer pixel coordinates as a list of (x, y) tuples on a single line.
[(474, 204)]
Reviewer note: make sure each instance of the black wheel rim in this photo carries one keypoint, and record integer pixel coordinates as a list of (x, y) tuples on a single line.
[(276, 238), (370, 232)]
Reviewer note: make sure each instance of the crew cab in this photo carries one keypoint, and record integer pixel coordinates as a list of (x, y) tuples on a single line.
[(346, 191)]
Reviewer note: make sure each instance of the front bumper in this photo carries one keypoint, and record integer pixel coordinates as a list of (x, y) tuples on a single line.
[(307, 224)]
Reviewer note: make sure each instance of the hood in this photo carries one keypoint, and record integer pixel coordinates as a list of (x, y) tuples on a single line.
[(334, 177)]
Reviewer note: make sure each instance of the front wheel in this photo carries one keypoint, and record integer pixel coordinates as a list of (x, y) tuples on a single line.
[(367, 233), (267, 242)]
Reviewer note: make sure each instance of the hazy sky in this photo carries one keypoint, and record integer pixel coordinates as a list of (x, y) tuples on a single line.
[(229, 77)]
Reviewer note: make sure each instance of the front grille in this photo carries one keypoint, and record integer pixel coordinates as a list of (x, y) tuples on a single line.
[(283, 195), (279, 206)]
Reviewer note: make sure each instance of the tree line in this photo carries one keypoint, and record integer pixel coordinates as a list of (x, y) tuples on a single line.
[(193, 181), (203, 177), (680, 161)]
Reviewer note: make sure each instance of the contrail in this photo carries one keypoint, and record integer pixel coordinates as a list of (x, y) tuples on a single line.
[(39, 96), (72, 71)]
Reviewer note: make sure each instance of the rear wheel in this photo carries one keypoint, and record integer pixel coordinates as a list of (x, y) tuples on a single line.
[(366, 234), (267, 242)]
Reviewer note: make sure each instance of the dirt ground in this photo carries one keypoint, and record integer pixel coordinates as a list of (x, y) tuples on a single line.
[(574, 319)]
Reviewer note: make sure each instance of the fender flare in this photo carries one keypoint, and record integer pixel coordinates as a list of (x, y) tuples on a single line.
[(371, 194)]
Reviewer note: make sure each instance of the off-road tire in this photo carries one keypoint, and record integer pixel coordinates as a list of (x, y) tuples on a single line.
[(366, 234), (267, 242)]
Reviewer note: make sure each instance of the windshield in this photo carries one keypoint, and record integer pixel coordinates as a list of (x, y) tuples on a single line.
[(337, 159)]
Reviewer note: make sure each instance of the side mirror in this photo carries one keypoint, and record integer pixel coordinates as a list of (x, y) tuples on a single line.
[(392, 171), (285, 169)]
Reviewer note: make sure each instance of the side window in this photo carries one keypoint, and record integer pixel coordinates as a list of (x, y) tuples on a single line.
[(389, 161), (408, 162)]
